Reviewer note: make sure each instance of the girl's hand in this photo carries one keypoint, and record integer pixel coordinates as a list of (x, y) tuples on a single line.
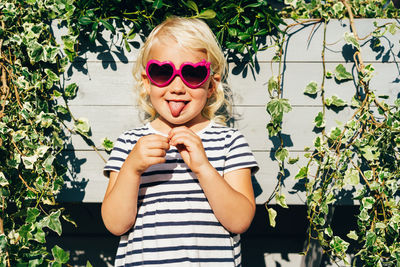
[(190, 147), (149, 150)]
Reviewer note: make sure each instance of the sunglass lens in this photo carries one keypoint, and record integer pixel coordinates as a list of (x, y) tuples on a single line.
[(160, 74), (194, 75)]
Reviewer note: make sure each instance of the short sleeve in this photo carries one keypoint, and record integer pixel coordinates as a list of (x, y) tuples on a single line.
[(118, 156), (239, 154)]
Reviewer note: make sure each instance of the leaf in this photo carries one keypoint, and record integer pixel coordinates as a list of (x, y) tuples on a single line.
[(351, 177), (107, 25), (85, 20), (311, 88), (272, 215), (351, 39), (352, 235), (341, 74), (276, 108), (193, 6), (281, 200), (273, 84), (107, 144), (29, 161), (319, 120), (370, 239), (70, 91), (303, 172), (31, 215), (370, 153), (338, 8), (335, 101), (207, 14), (60, 256), (157, 4), (281, 154), (3, 180), (293, 3), (82, 126), (293, 160), (368, 203), (48, 164), (53, 222)]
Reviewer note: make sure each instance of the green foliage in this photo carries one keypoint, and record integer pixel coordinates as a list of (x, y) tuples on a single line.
[(34, 97), (362, 155)]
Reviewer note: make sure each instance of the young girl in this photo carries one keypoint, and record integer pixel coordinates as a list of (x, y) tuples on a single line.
[(180, 187)]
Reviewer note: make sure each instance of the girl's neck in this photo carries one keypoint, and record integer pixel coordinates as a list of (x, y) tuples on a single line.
[(164, 126)]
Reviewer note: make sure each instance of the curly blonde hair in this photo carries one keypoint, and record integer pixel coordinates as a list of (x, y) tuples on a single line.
[(193, 34)]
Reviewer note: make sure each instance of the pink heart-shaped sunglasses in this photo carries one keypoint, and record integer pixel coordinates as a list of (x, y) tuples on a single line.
[(193, 75)]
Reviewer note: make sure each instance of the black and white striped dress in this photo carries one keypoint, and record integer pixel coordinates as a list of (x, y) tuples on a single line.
[(175, 224)]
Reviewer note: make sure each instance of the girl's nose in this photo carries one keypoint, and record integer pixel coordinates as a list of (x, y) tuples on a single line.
[(177, 86)]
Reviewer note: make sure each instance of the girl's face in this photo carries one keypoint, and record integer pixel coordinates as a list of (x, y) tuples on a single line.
[(176, 103)]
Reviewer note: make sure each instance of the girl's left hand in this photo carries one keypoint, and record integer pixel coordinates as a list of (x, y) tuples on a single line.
[(190, 147)]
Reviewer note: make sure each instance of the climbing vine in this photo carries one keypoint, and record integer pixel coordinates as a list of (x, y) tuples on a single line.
[(35, 120), (359, 156)]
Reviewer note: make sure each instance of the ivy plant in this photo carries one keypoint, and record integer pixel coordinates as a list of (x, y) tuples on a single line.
[(34, 115), (361, 156)]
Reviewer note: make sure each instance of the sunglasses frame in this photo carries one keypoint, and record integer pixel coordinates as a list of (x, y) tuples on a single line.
[(179, 72)]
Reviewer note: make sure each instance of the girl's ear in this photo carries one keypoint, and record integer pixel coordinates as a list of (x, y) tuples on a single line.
[(146, 82), (214, 82)]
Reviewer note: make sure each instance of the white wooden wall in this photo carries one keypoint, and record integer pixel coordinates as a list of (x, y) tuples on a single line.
[(105, 98)]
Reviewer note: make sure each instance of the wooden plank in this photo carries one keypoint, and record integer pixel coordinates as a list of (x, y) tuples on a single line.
[(85, 182), (303, 45)]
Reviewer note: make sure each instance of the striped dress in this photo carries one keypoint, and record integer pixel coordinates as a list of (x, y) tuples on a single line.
[(175, 225)]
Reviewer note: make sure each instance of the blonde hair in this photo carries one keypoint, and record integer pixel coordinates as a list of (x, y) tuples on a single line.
[(193, 34)]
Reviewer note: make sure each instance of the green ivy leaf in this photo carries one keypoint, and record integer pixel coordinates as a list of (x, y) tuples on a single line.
[(311, 88), (60, 256), (293, 160), (281, 200), (107, 144), (3, 180), (82, 126), (339, 245), (370, 153), (53, 222), (32, 214), (303, 172), (70, 91), (281, 154), (319, 120), (341, 74), (273, 85), (351, 177), (276, 107), (335, 101), (272, 215), (351, 39), (368, 202), (352, 235), (370, 239)]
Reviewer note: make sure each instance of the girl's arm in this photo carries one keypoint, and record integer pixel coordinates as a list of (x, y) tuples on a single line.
[(119, 207), (231, 197)]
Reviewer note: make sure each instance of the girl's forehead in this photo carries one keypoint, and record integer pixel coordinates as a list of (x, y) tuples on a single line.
[(173, 51)]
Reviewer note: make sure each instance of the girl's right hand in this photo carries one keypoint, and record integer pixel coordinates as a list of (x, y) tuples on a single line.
[(149, 150)]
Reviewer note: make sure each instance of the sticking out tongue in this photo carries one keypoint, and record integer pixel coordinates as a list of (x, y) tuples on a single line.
[(176, 107)]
